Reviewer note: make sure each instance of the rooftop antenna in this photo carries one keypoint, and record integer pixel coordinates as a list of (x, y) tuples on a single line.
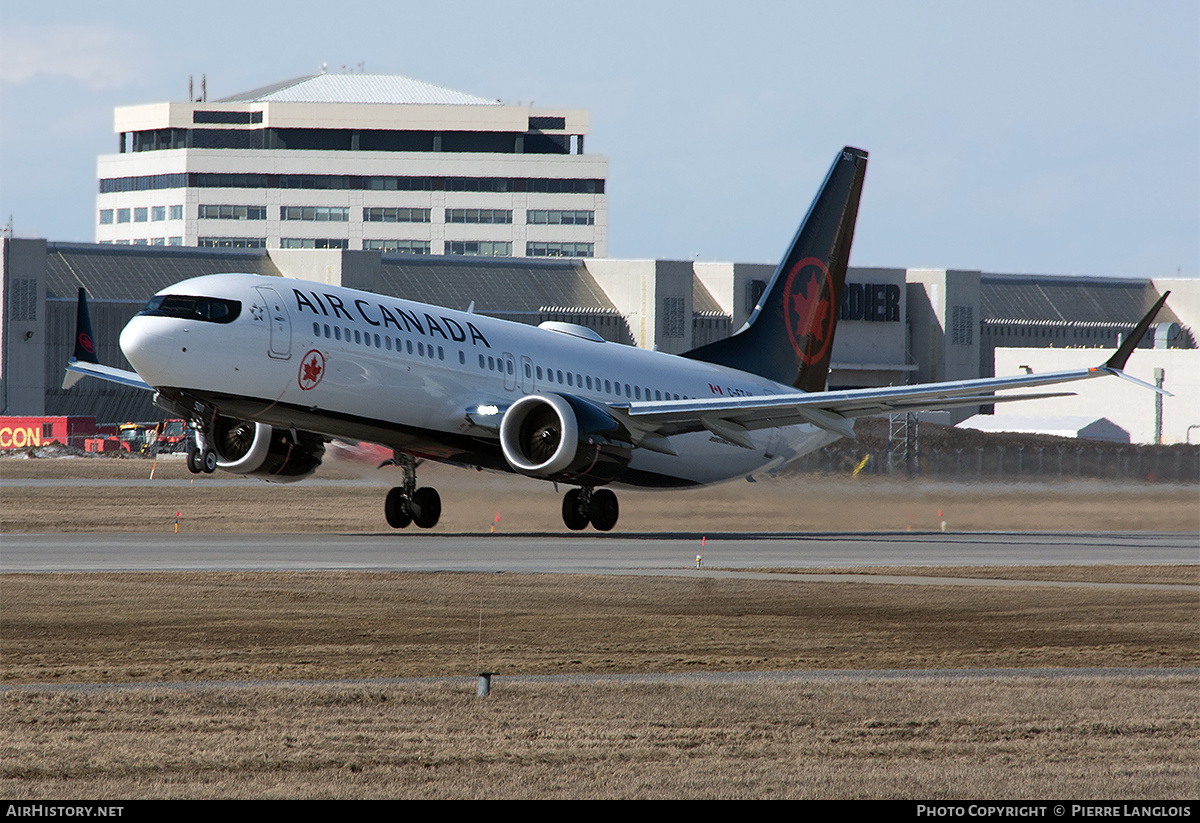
[(191, 90), (204, 88), (324, 67)]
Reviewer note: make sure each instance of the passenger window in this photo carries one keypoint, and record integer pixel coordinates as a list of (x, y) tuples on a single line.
[(539, 372), (462, 358), (317, 329), (410, 347), (589, 381), (637, 392), (388, 342), (559, 376), (421, 349), (327, 330), (569, 383), (491, 363), (528, 371), (441, 353), (337, 332)]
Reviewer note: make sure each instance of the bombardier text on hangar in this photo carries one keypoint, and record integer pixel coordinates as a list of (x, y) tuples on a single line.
[(267, 370)]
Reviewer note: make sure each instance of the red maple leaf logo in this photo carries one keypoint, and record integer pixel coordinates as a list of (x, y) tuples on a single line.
[(811, 310), (86, 342), (312, 367)]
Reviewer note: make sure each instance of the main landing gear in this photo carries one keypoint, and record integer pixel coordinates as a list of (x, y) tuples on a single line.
[(200, 455), (585, 505), (408, 504)]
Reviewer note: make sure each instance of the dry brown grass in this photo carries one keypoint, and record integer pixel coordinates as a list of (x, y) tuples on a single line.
[(1023, 738), (168, 626)]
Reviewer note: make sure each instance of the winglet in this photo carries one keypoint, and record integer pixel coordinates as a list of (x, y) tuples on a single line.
[(1117, 361)]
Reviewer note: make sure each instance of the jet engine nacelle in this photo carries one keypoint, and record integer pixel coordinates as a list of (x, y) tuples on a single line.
[(565, 439), (258, 450)]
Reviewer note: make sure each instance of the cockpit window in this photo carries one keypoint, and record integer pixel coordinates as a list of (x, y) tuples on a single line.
[(207, 309)]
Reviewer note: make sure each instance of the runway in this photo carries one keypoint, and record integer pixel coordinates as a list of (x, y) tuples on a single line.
[(663, 554)]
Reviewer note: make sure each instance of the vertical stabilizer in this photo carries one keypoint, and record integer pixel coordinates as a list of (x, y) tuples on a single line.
[(789, 336), (85, 343)]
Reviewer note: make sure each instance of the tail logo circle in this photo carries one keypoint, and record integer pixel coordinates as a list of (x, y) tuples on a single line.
[(808, 309)]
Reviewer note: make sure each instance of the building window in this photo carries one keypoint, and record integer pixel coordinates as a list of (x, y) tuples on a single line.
[(319, 214), (962, 322), (559, 249), (401, 246), (380, 215), (478, 215), (106, 217), (141, 215), (233, 213), (227, 242), (174, 241), (158, 213), (554, 217), (478, 184), (481, 248), (313, 243), (123, 215), (158, 241), (176, 212), (673, 317)]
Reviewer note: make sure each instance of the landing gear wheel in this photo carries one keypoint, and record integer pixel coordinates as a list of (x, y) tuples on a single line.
[(193, 460), (210, 461), (603, 510), (573, 513), (426, 507), (395, 509)]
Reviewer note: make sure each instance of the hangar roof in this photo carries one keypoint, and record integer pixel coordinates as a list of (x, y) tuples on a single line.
[(495, 285), (1009, 297), (135, 272), (393, 89)]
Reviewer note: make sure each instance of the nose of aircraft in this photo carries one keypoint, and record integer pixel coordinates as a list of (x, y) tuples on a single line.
[(149, 348)]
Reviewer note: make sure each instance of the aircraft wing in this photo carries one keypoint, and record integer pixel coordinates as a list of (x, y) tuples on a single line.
[(77, 369), (733, 417)]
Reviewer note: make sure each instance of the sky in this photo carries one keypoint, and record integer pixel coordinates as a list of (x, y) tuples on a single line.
[(1051, 137)]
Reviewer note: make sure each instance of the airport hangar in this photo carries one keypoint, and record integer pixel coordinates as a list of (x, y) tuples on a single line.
[(896, 326)]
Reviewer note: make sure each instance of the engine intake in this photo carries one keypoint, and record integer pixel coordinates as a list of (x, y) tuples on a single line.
[(258, 450), (565, 439)]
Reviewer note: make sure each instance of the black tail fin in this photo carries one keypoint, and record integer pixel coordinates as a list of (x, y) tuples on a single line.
[(789, 335), (85, 343)]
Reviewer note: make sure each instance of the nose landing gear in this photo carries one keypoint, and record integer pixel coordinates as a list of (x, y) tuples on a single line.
[(585, 505), (408, 504)]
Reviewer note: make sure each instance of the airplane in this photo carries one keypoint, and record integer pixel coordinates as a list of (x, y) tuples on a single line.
[(268, 369)]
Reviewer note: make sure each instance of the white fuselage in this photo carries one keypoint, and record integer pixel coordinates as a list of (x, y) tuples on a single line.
[(306, 352)]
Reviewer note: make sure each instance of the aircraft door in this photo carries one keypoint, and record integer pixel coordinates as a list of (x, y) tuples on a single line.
[(510, 372), (279, 324), (526, 375)]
